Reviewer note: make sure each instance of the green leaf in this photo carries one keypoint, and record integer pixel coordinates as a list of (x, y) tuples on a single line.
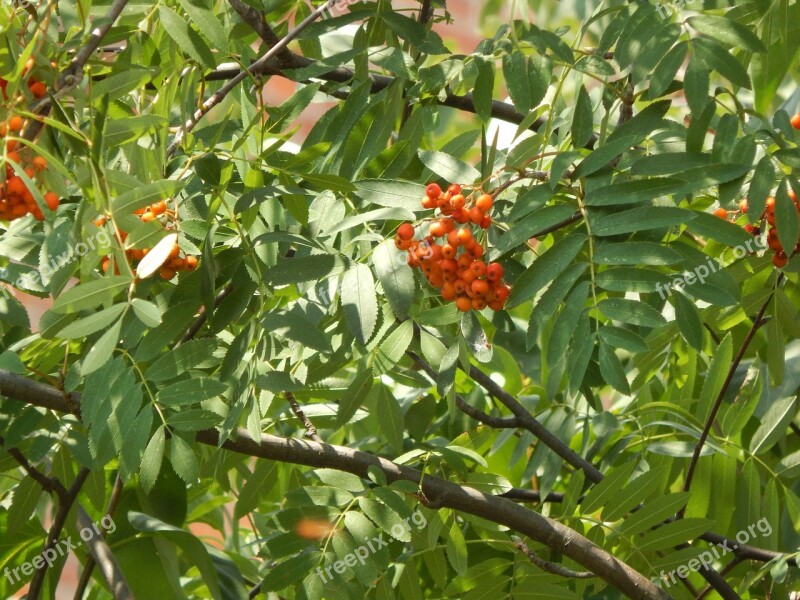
[(147, 312), (727, 31), (359, 302), (603, 493), (603, 156), (190, 391), (393, 348), (101, 352), (523, 230), (256, 487), (456, 549), (207, 23), (695, 84), (119, 84), (151, 461), (93, 323), (760, 187), (717, 57), (391, 193), (612, 370), (635, 253), (667, 68), (773, 425), (672, 534), (653, 512), (185, 37), (476, 339), (631, 311), (622, 338), (183, 459), (449, 167), (395, 276), (354, 396), (630, 279), (714, 227), (386, 518), (689, 321), (295, 326), (715, 377), (181, 359), (90, 295), (194, 420), (390, 418), (143, 195), (582, 119), (306, 268), (640, 219), (633, 192), (546, 268)]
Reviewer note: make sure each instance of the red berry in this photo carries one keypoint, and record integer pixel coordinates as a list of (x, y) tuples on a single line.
[(484, 202), (405, 231), (433, 190), (494, 272), (796, 121)]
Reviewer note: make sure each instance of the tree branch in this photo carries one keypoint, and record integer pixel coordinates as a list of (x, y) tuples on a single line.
[(757, 322), (220, 94), (451, 495), (102, 555), (86, 575), (64, 506), (311, 431)]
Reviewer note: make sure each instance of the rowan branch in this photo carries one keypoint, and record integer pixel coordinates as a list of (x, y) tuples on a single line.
[(464, 406), (102, 555), (757, 322), (220, 94), (451, 495), (64, 507), (66, 498), (311, 431), (86, 575)]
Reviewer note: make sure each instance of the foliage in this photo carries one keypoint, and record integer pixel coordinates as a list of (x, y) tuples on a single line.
[(645, 366)]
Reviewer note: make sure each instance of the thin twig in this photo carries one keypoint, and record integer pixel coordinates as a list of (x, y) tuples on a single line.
[(311, 431), (464, 406), (73, 74), (220, 94), (546, 565), (198, 323), (757, 322)]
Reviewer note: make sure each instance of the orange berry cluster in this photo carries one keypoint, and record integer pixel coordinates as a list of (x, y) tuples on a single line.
[(780, 258), (16, 200), (455, 267), (174, 263)]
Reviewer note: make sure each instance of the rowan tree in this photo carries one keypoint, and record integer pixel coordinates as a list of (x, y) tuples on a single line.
[(520, 322)]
